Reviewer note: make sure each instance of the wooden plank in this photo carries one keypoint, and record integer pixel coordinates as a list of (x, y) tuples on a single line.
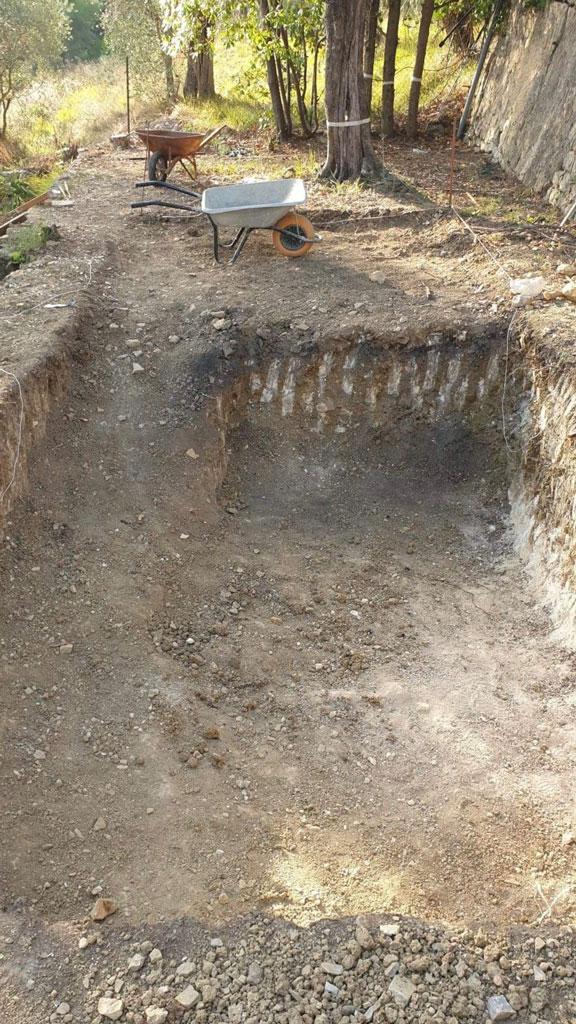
[(15, 215)]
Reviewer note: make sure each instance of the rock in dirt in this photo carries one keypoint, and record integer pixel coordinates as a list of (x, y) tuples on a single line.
[(103, 908), (185, 969), (136, 963), (255, 974), (391, 930), (187, 997), (401, 989), (155, 1015), (498, 1008), (331, 968), (111, 1009)]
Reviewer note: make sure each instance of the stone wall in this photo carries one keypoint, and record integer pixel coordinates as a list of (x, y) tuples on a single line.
[(525, 110)]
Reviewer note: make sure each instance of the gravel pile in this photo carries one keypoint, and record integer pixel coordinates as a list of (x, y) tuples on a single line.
[(361, 971)]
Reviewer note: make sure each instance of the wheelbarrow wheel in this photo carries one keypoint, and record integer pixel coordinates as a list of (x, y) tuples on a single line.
[(293, 235), (157, 167)]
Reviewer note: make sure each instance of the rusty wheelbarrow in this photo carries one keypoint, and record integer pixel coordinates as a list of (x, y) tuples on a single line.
[(165, 149)]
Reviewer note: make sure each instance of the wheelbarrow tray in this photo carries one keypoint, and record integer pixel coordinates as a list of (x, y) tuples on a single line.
[(175, 144), (255, 204)]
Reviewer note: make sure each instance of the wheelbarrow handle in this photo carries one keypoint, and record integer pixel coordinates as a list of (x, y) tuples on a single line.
[(164, 202), (168, 185)]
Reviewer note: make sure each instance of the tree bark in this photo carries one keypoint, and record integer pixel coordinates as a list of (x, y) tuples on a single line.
[(370, 49), (190, 88), (282, 126), (171, 90), (421, 47), (389, 73), (206, 88), (349, 152)]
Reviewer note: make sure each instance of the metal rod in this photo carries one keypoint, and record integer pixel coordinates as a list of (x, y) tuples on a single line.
[(452, 165), (457, 26), (490, 30), (567, 216), (169, 186), (127, 94)]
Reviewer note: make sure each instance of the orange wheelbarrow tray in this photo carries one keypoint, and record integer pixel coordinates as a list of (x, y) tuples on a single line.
[(165, 149)]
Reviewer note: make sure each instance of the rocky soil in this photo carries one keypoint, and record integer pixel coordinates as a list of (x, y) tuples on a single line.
[(267, 972)]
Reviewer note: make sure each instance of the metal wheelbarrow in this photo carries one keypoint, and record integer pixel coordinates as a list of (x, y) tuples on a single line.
[(165, 149), (248, 207)]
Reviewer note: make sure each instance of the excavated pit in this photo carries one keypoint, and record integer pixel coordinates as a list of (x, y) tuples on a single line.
[(293, 652), (390, 632)]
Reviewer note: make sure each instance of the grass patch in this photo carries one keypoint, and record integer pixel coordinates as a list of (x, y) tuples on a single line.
[(21, 243), (74, 106), (239, 114)]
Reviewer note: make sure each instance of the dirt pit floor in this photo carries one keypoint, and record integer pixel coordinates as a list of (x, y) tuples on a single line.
[(268, 655)]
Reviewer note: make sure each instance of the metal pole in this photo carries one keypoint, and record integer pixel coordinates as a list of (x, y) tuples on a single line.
[(480, 67), (452, 165), (567, 216), (127, 94)]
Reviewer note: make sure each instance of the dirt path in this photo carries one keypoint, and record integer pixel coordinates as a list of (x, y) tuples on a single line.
[(311, 682)]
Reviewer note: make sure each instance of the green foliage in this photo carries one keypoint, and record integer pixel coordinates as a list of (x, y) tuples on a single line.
[(14, 189), (86, 39), (33, 36), (23, 241)]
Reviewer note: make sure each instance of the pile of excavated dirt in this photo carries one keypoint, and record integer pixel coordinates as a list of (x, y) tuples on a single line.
[(268, 971), (266, 647)]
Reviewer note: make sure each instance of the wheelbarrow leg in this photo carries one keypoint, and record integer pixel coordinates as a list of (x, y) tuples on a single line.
[(215, 239), (243, 238)]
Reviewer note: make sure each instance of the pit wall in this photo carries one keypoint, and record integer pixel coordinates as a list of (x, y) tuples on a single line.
[(543, 491), (329, 391), (29, 398), (525, 111)]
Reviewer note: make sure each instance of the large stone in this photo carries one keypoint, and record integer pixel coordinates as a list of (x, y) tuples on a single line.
[(136, 963), (498, 1008), (329, 967), (111, 1009), (156, 1015), (185, 969), (402, 989), (188, 997), (103, 908)]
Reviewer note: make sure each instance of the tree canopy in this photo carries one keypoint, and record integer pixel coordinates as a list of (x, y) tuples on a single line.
[(33, 36)]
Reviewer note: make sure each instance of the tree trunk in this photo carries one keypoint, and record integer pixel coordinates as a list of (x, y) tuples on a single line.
[(370, 49), (190, 89), (171, 90), (421, 47), (206, 88), (350, 150), (273, 84), (6, 97), (390, 48)]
